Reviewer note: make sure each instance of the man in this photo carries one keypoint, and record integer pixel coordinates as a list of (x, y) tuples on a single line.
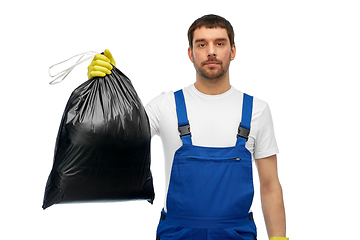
[(209, 166)]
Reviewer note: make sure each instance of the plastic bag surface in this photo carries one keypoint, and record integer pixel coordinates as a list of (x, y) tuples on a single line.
[(102, 150)]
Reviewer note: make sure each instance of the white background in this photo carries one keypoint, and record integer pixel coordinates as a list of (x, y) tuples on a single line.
[(300, 56)]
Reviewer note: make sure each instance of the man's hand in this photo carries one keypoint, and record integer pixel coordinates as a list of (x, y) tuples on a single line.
[(101, 65)]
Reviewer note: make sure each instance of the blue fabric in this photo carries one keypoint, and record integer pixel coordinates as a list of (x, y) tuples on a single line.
[(245, 117), (174, 228), (182, 114), (181, 108), (211, 189), (246, 111)]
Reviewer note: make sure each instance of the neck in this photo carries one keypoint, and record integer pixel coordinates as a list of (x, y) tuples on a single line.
[(213, 86)]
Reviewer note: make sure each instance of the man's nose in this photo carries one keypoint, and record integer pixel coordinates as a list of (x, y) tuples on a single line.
[(211, 55), (211, 51)]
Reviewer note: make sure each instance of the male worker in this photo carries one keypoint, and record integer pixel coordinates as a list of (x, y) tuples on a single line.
[(210, 133)]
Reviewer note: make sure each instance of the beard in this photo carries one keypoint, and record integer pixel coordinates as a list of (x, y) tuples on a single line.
[(212, 73)]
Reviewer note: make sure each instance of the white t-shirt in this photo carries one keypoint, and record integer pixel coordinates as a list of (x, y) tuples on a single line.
[(214, 122)]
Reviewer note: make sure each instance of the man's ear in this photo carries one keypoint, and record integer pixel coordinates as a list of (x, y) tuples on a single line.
[(190, 53), (233, 52)]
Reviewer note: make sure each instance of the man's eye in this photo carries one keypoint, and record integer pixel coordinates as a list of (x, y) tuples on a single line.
[(202, 45), (220, 44)]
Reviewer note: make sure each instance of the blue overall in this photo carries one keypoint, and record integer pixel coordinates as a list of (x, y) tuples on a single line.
[(211, 188)]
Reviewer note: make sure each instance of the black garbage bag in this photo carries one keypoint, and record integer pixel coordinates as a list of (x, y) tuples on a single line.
[(102, 150)]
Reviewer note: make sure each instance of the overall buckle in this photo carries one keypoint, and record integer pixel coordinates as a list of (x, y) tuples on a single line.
[(184, 130), (243, 132)]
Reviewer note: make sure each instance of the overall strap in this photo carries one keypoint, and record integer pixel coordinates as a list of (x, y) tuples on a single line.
[(245, 124), (183, 122)]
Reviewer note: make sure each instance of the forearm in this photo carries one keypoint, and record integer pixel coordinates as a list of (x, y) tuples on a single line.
[(273, 209)]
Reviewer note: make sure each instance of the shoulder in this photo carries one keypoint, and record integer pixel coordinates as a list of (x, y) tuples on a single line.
[(156, 108), (260, 112), (259, 105), (158, 102)]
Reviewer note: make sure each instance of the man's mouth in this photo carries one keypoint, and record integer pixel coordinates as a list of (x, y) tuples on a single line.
[(212, 64)]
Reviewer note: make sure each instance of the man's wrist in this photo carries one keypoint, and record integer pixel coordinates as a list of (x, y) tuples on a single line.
[(278, 238)]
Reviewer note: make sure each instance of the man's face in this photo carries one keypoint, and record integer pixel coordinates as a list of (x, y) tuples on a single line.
[(211, 53)]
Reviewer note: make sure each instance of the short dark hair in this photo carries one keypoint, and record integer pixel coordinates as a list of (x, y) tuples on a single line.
[(211, 21)]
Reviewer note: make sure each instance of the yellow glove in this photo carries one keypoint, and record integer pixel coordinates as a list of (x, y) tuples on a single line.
[(278, 238), (101, 65)]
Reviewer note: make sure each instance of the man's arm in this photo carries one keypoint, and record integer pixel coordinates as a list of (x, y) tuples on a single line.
[(271, 196)]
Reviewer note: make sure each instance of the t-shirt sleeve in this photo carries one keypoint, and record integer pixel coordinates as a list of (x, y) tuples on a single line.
[(265, 143), (153, 110)]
